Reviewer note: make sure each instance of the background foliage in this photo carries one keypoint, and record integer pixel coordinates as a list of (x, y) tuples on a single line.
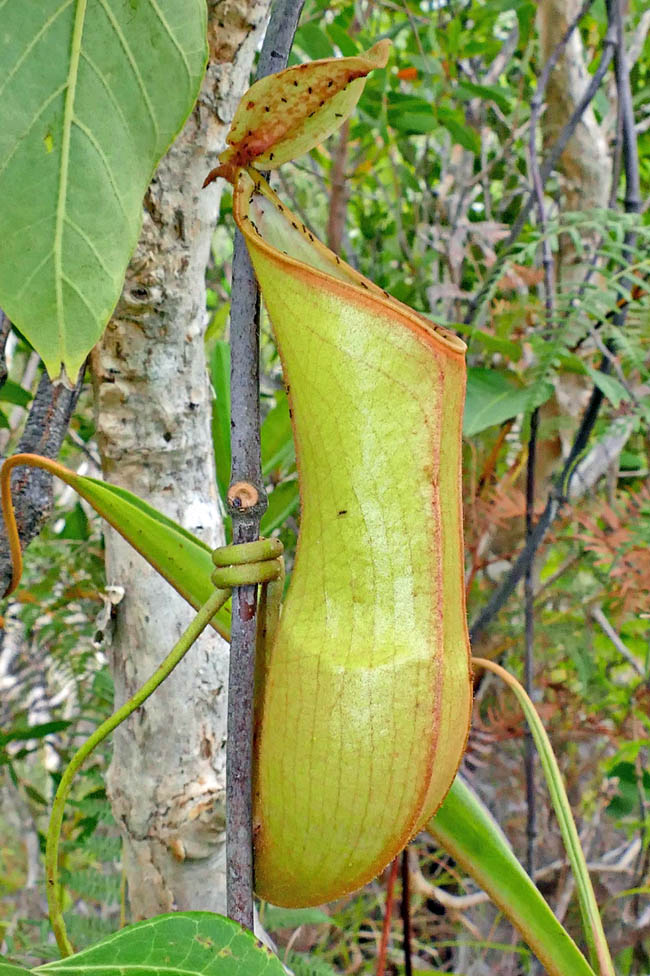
[(419, 192)]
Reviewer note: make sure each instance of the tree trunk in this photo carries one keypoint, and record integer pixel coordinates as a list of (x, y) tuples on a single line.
[(167, 777), (585, 164)]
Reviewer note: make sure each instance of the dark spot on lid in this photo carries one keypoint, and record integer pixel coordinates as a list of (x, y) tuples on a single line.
[(343, 511), (294, 224), (338, 115), (330, 83), (283, 99), (309, 89), (295, 84), (250, 105)]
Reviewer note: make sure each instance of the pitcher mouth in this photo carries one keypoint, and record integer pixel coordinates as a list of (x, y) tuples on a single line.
[(267, 223)]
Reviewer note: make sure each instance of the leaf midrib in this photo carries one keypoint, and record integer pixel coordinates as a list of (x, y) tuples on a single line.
[(68, 112)]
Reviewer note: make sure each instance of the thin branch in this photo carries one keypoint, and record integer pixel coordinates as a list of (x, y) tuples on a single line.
[(405, 909), (246, 509), (621, 647), (339, 190), (549, 293), (529, 650)]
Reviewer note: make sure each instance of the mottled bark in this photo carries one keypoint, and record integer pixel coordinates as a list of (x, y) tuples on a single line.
[(167, 778), (585, 164)]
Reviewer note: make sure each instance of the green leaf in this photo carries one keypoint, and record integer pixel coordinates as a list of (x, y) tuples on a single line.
[(291, 918), (495, 93), (94, 885), (8, 969), (311, 39), (467, 831), (492, 399), (459, 131), (76, 524), (220, 378), (93, 94), (344, 40), (412, 115), (277, 437), (609, 386), (24, 733), (627, 797), (179, 556), (13, 393), (178, 944), (283, 502)]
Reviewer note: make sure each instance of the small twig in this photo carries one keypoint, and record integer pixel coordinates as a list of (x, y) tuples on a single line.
[(388, 914), (623, 649), (529, 651), (247, 501)]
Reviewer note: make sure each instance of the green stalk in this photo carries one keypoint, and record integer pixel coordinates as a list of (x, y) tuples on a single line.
[(592, 923), (198, 625)]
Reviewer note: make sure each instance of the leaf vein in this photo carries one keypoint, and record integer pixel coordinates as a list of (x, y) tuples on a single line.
[(68, 110), (21, 139), (107, 166), (33, 274), (163, 20), (134, 66), (89, 243), (34, 41), (109, 91), (71, 284)]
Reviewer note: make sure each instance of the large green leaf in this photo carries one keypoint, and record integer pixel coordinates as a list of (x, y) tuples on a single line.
[(8, 969), (184, 560), (93, 92), (179, 944), (491, 399), (467, 831)]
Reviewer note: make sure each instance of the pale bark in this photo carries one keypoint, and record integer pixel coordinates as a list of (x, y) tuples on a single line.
[(585, 164), (167, 777)]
